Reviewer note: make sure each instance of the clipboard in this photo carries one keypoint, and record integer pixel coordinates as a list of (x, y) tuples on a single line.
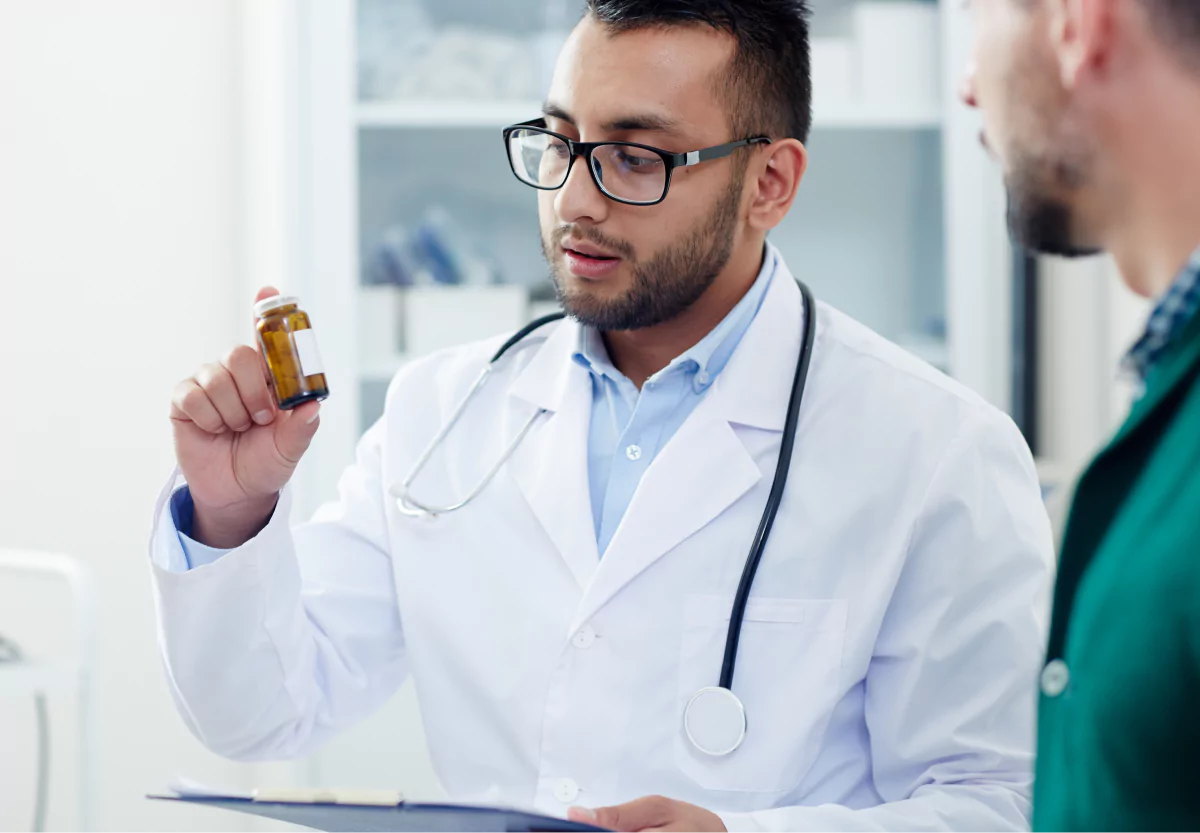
[(377, 817)]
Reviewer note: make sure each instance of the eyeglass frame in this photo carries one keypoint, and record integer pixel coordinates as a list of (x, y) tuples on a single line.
[(587, 149)]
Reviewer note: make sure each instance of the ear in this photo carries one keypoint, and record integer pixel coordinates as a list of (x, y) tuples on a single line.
[(779, 169), (1081, 35)]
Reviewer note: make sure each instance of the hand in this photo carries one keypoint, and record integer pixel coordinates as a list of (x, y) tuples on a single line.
[(234, 446), (652, 813)]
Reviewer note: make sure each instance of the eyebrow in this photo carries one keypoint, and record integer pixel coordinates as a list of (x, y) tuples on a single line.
[(643, 121)]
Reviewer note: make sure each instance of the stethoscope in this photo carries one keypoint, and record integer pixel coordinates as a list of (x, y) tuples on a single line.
[(714, 719)]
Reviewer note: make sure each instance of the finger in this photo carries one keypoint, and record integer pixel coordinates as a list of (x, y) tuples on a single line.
[(218, 383), (190, 403), (582, 815), (246, 367), (262, 295), (652, 811), (295, 429)]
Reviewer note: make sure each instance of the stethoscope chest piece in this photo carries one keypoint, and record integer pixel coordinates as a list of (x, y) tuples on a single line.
[(715, 721)]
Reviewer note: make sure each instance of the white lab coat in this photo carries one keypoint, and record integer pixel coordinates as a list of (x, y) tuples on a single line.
[(889, 652)]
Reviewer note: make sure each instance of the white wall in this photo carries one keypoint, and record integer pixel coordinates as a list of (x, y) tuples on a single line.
[(120, 247)]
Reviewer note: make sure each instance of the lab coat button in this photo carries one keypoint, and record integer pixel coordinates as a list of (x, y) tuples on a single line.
[(1055, 677), (634, 452), (566, 790), (584, 637)]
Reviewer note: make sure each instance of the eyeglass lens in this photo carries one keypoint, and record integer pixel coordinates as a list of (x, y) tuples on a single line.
[(625, 172)]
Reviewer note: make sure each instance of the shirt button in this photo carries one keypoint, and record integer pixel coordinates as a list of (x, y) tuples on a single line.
[(634, 452), (566, 790), (1055, 677), (584, 637), (703, 378)]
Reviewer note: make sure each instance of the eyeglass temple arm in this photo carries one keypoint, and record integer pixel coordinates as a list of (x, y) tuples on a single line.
[(695, 157)]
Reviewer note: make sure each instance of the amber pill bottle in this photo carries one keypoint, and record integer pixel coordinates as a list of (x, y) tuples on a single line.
[(289, 347)]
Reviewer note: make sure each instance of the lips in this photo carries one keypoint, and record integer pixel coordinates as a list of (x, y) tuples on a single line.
[(587, 250), (589, 262)]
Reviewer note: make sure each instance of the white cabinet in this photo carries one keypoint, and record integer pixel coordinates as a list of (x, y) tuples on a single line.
[(900, 221)]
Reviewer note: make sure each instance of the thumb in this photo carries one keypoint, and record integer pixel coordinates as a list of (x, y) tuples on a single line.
[(582, 815), (295, 429), (652, 811), (263, 294)]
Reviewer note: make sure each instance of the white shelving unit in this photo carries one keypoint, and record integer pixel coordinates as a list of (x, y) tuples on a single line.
[(444, 115), (900, 221), (447, 115)]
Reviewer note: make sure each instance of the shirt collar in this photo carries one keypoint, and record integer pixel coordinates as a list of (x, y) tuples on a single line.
[(1172, 313), (708, 357)]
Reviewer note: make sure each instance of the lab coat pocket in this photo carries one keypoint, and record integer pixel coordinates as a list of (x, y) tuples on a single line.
[(787, 675)]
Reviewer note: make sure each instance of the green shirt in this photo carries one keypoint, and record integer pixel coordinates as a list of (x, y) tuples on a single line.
[(1119, 726)]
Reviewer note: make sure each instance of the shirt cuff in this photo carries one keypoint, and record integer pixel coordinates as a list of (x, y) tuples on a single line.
[(183, 512)]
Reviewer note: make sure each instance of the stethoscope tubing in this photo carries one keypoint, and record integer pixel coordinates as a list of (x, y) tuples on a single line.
[(411, 506), (775, 498)]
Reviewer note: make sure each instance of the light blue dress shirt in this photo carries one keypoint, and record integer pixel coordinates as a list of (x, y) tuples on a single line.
[(628, 428), (182, 512)]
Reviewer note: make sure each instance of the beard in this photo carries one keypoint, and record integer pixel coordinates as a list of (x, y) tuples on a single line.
[(1040, 216), (663, 287), (1051, 164)]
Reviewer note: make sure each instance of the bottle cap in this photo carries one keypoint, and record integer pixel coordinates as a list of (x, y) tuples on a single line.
[(275, 302)]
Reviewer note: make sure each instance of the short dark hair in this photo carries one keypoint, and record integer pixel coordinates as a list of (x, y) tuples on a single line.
[(769, 82)]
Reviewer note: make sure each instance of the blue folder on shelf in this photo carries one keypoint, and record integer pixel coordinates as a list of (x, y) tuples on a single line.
[(341, 814)]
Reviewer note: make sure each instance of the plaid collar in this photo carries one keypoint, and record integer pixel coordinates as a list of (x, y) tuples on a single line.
[(1171, 316)]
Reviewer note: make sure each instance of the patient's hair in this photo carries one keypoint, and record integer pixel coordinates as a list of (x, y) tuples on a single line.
[(768, 84), (1177, 22)]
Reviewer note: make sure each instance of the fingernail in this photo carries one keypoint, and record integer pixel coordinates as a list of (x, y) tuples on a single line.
[(583, 813), (316, 413), (262, 417)]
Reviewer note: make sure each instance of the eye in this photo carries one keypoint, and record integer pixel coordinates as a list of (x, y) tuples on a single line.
[(638, 161)]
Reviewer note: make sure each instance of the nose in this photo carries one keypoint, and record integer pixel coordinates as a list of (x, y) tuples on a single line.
[(579, 199), (966, 87)]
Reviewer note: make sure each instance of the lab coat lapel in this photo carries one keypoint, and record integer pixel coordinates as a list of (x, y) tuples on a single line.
[(550, 467), (706, 468)]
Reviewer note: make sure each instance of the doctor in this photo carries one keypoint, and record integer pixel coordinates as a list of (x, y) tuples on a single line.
[(559, 624)]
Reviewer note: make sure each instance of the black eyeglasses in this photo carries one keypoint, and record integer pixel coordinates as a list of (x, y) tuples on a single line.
[(623, 171)]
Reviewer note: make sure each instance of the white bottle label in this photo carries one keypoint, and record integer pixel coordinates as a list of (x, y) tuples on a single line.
[(306, 350)]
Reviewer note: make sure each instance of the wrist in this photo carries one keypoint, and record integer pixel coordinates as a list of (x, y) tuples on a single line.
[(231, 526)]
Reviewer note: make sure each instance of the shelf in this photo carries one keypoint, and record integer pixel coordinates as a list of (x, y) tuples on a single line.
[(496, 114), (926, 116), (446, 114), (20, 678)]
